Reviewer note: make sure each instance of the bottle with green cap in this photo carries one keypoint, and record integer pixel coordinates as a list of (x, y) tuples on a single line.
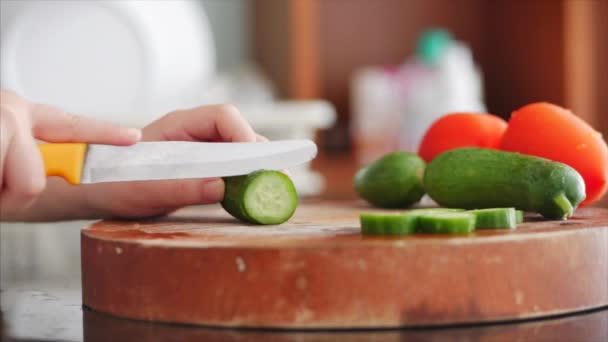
[(442, 79), (432, 44)]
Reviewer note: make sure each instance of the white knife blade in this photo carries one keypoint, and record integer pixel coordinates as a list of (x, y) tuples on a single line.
[(181, 159)]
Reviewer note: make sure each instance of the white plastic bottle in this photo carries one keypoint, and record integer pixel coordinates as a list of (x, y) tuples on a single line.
[(442, 78)]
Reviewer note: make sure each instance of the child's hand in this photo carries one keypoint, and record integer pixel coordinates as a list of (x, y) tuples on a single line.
[(216, 123), (24, 177), (22, 174)]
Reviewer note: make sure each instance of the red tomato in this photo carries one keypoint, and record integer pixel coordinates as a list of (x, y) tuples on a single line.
[(462, 130), (549, 131)]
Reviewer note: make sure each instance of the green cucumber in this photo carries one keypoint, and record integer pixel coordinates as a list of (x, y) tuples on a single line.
[(495, 218), (393, 181), (447, 223), (261, 197), (396, 223), (425, 211), (519, 216), (388, 224), (477, 178)]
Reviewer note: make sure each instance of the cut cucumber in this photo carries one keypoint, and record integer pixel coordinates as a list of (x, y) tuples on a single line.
[(262, 197), (519, 216), (495, 218), (388, 224), (447, 223), (429, 211), (397, 223), (232, 201), (439, 221)]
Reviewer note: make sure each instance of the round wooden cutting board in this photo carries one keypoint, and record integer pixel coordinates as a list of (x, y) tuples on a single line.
[(200, 266)]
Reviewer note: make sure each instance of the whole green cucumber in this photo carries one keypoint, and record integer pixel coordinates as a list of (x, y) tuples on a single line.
[(475, 178), (393, 181)]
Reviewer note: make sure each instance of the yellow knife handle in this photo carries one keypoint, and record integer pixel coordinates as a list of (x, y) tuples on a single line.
[(64, 160)]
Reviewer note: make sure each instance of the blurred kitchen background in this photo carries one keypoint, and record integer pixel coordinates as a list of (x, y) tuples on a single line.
[(360, 77)]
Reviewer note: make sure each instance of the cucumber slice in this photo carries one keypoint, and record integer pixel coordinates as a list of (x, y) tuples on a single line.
[(495, 218), (519, 216), (262, 197), (397, 223), (447, 223), (429, 211), (388, 224)]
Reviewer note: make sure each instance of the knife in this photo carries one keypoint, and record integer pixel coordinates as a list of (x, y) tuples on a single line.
[(90, 163)]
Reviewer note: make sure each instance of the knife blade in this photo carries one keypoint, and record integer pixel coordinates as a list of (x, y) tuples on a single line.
[(84, 164)]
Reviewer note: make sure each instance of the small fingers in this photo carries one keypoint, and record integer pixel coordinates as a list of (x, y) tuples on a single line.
[(24, 174), (181, 193), (231, 125), (8, 127), (54, 125), (151, 198), (207, 123), (260, 138)]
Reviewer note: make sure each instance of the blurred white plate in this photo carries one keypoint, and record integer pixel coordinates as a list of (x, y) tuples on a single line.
[(111, 59)]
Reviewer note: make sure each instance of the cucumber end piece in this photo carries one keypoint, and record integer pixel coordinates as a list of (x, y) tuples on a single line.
[(270, 198)]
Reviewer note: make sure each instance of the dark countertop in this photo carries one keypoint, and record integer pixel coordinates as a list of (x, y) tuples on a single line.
[(41, 301)]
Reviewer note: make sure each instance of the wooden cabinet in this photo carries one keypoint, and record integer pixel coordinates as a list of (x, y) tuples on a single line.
[(552, 50), (539, 50)]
